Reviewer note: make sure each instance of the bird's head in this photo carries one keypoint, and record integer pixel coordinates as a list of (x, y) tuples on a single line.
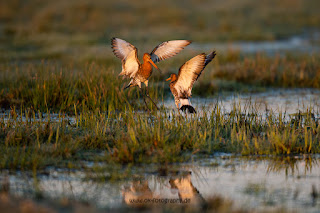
[(147, 58), (173, 77)]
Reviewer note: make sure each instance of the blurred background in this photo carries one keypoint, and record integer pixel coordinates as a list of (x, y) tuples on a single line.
[(58, 27), (260, 44)]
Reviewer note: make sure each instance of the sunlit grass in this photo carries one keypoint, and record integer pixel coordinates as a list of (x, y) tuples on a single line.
[(36, 140), (59, 85), (62, 103), (58, 113), (276, 71), (45, 86)]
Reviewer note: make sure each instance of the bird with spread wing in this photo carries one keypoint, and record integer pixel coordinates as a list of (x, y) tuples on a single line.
[(181, 84), (140, 73)]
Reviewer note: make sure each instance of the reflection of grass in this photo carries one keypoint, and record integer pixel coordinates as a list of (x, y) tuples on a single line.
[(105, 120), (255, 189), (290, 165), (55, 57), (10, 203)]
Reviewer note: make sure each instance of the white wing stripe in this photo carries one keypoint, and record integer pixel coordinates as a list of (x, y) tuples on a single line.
[(168, 49)]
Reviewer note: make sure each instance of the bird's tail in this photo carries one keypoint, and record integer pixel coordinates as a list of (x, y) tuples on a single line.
[(186, 106)]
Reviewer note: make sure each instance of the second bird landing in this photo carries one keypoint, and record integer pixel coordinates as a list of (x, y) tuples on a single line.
[(180, 85)]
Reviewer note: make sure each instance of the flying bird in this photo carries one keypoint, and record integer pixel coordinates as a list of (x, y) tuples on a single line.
[(181, 84), (140, 73)]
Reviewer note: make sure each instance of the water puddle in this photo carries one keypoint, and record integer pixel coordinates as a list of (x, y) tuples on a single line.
[(302, 44), (257, 183), (288, 102)]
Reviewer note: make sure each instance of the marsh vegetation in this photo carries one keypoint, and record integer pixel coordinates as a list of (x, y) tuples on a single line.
[(63, 107)]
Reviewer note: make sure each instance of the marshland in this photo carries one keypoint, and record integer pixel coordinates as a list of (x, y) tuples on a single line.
[(72, 139)]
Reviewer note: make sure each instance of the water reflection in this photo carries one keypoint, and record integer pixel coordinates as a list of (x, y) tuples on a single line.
[(186, 190), (137, 193), (286, 103), (175, 189), (249, 183), (296, 43), (291, 165)]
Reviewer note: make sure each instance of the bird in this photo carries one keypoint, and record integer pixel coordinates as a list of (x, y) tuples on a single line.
[(181, 84), (140, 73)]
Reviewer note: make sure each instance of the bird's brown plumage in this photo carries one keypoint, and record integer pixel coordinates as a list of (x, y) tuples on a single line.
[(132, 68), (181, 84), (173, 78)]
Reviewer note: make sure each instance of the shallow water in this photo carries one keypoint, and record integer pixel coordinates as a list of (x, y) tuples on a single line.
[(284, 101), (256, 183), (298, 43)]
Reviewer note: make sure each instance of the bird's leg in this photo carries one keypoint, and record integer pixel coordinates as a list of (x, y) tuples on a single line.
[(177, 102), (144, 99), (147, 94)]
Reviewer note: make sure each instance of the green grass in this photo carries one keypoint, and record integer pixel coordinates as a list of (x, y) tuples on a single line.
[(59, 113), (35, 140), (277, 71), (59, 86), (45, 86), (62, 103), (56, 61)]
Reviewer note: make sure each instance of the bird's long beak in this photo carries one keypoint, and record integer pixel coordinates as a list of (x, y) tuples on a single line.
[(154, 65), (168, 79)]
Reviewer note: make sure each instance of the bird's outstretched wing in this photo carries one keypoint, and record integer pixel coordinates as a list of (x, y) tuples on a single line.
[(168, 49), (209, 58), (121, 48), (189, 72), (128, 55)]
